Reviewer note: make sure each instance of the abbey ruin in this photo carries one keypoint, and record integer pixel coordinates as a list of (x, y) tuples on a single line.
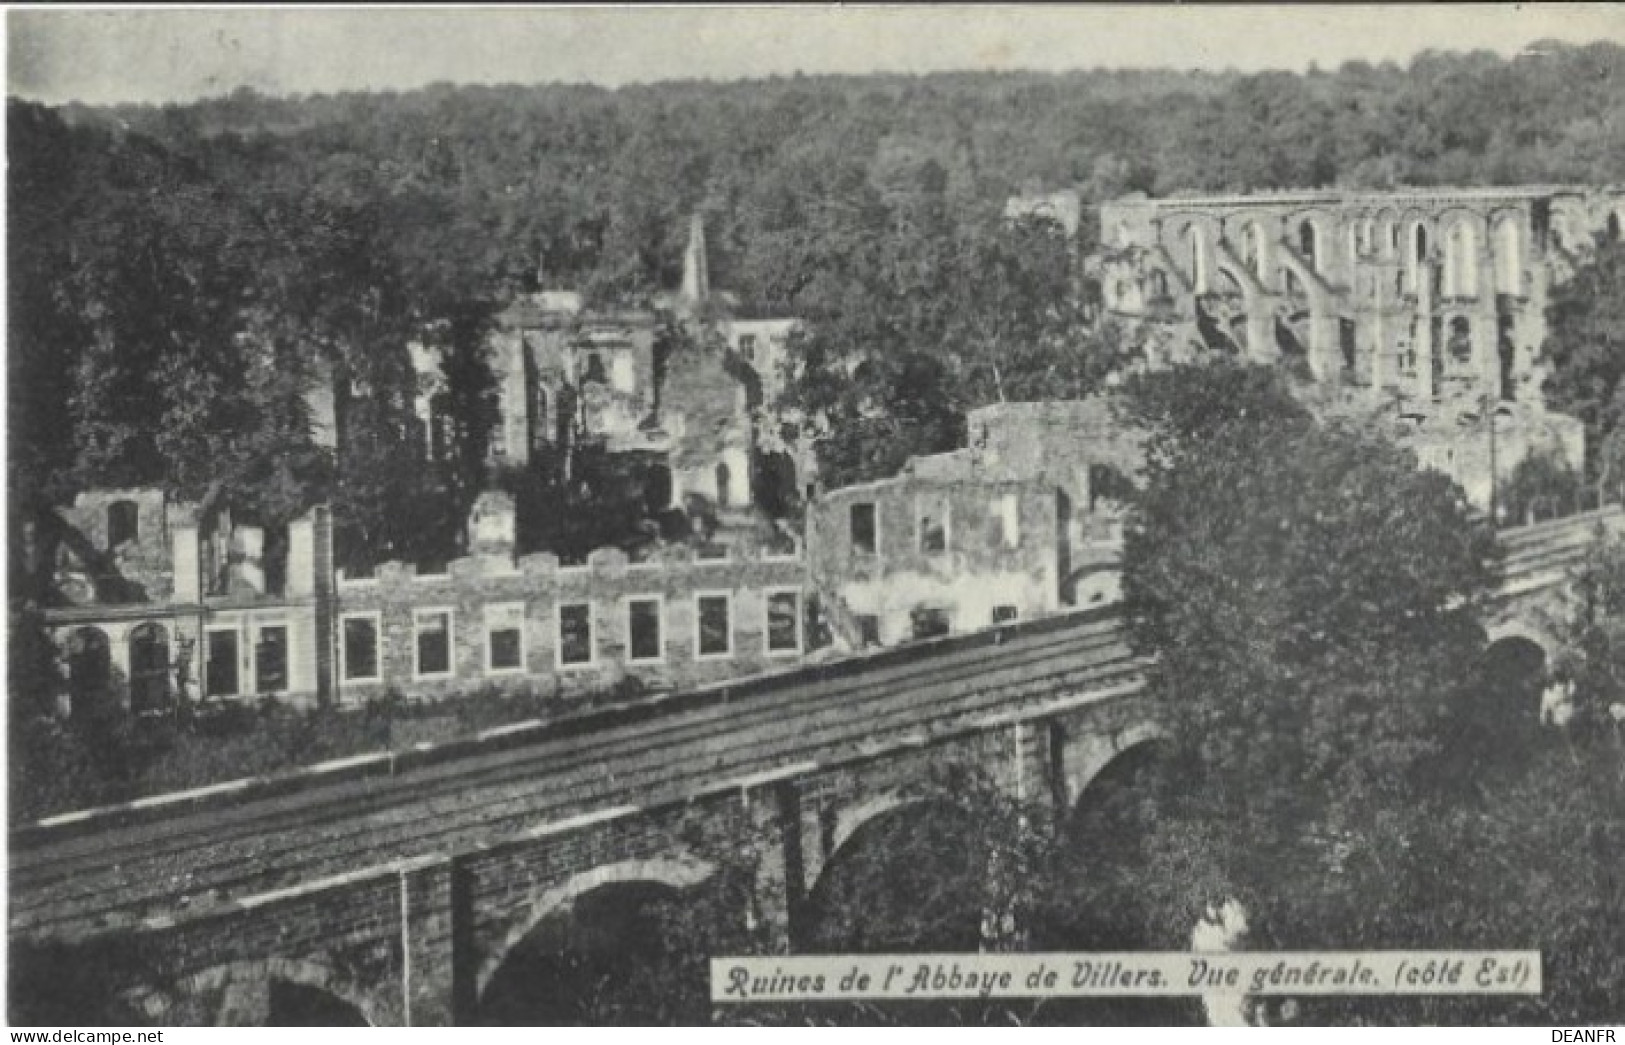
[(1430, 301)]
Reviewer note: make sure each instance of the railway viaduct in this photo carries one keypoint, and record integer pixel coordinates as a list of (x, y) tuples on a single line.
[(399, 883)]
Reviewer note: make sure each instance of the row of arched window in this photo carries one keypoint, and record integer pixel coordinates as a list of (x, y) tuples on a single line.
[(1383, 237)]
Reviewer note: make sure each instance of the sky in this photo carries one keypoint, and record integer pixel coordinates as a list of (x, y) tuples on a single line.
[(102, 56)]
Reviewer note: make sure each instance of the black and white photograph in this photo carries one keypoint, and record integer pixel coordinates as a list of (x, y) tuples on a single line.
[(815, 516)]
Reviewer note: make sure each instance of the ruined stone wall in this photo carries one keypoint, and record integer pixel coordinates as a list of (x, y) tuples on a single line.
[(998, 550), (1360, 288), (1059, 441), (537, 586), (705, 406), (91, 568)]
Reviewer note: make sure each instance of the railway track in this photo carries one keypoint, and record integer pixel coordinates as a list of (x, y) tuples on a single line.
[(201, 858)]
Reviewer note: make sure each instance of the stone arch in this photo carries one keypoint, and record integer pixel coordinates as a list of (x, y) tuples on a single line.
[(1232, 278), (1385, 225), (1517, 629), (1096, 759), (1566, 227), (1256, 249), (1306, 242), (1365, 233), (1416, 244), (149, 667), (1313, 236), (1461, 257), (1305, 278), (858, 840), (1508, 250), (679, 873), (1196, 244), (853, 819), (242, 992), (90, 667)]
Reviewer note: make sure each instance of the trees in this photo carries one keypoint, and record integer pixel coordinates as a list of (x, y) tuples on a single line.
[(1586, 352), (1308, 594)]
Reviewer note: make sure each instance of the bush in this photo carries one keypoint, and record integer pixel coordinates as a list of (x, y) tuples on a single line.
[(112, 757), (1542, 487)]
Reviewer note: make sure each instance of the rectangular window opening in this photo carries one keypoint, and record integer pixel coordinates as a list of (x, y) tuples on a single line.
[(643, 630), (433, 645), (933, 520), (715, 629), (360, 649), (221, 676), (784, 622), (1007, 511), (271, 659), (865, 539), (575, 634), (930, 622), (505, 637)]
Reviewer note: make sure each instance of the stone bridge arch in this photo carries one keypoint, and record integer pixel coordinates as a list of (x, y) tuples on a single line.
[(1518, 628), (870, 872), (1086, 757), (678, 873), (238, 994)]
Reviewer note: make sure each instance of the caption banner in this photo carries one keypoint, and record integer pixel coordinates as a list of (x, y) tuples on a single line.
[(1143, 974)]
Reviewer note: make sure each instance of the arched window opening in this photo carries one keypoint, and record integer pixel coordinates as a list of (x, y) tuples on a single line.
[(1159, 284), (1198, 260), (90, 669), (1417, 258), (1256, 251), (1508, 257), (1461, 261), (149, 668), (1306, 242)]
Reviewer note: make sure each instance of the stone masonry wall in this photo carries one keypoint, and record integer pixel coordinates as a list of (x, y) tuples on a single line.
[(542, 586)]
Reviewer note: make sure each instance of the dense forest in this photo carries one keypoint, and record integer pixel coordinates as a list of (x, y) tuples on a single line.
[(177, 273)]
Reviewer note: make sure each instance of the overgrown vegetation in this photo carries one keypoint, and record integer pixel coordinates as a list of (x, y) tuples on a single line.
[(110, 757)]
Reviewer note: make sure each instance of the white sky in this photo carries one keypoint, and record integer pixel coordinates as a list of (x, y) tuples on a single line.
[(170, 54)]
